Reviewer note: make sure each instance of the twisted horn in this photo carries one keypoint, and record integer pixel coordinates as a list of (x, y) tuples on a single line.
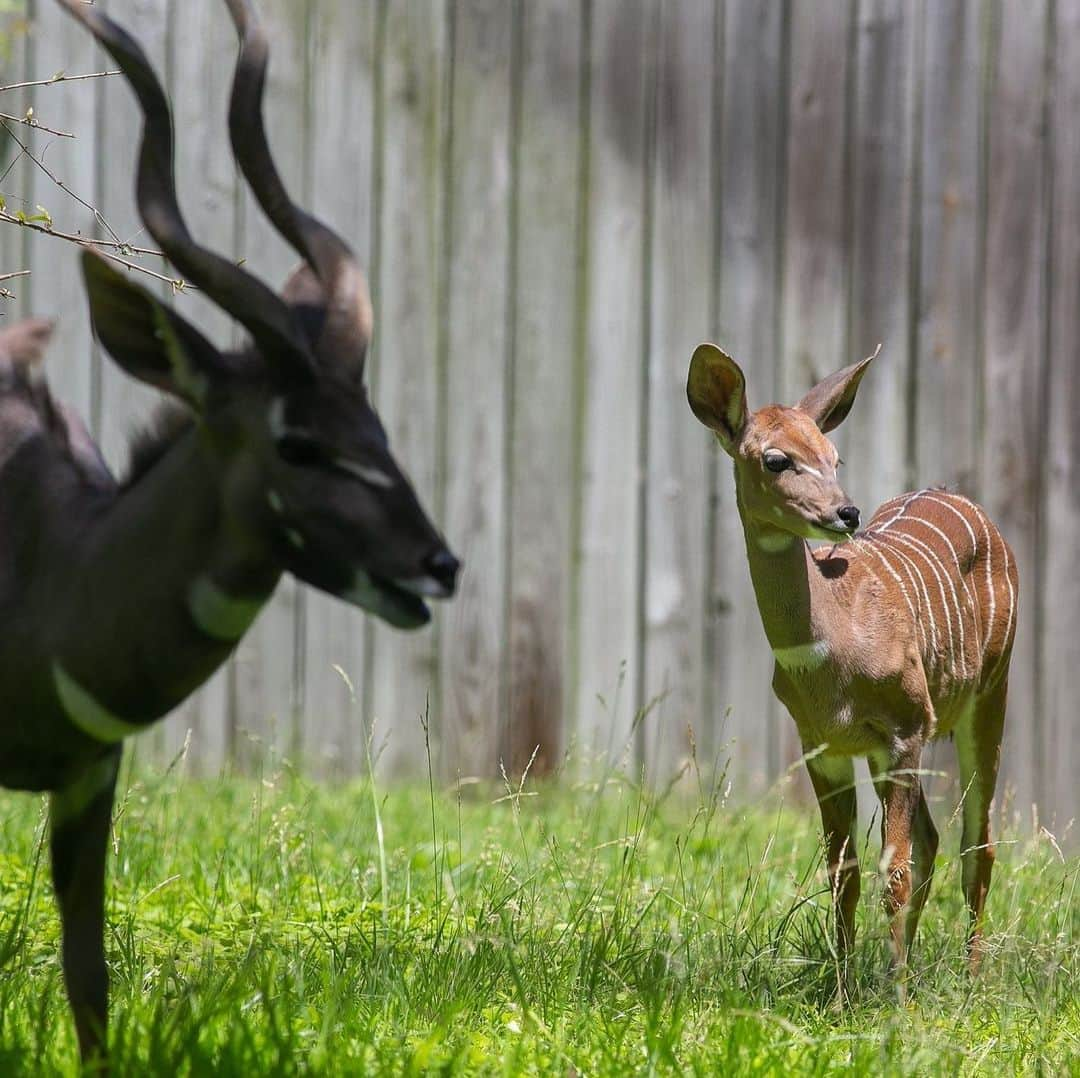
[(347, 325), (261, 311)]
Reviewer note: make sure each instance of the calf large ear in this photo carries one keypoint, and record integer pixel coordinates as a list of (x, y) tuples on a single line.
[(147, 339), (829, 402), (716, 390)]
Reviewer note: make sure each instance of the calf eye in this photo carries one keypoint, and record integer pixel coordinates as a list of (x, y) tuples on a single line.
[(300, 450), (777, 462)]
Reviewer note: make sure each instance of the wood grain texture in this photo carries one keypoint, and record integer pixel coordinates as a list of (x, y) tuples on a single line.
[(341, 121), (745, 715), (610, 539), (680, 306), (401, 681), (545, 280), (1014, 360), (473, 627), (1060, 519)]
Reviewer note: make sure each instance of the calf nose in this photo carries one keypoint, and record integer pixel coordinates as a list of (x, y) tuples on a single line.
[(443, 567), (849, 514)]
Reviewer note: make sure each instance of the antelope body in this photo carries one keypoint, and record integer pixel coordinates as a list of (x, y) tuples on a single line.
[(118, 599), (884, 640)]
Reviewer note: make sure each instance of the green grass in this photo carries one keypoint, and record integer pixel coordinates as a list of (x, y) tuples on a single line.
[(577, 929)]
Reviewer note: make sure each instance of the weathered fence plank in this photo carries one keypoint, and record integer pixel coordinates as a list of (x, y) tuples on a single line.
[(1059, 521), (478, 201), (751, 192), (546, 284), (1014, 361), (610, 540), (405, 375), (341, 119), (681, 302)]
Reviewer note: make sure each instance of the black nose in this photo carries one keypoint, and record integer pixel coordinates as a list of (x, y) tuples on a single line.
[(443, 566), (849, 514)]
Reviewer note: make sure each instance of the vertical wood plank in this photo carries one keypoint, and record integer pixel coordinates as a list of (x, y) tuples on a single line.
[(541, 457), (202, 54), (608, 561), (876, 430), (473, 630), (268, 685), (752, 140), (817, 219), (16, 56), (681, 305), (341, 122), (1015, 311), (55, 289), (947, 372), (1061, 494), (406, 371)]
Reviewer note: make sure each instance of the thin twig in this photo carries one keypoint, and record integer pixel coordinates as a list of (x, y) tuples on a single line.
[(17, 273), (106, 248), (60, 183), (177, 284), (29, 120), (58, 77), (78, 237)]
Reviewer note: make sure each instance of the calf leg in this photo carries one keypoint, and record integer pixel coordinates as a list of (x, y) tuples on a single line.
[(909, 842), (80, 816), (978, 749), (833, 778)]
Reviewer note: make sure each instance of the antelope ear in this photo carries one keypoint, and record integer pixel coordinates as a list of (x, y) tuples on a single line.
[(148, 340), (829, 402), (716, 390)]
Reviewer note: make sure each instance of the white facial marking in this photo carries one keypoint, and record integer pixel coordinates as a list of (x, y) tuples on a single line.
[(775, 541), (802, 656), (274, 501), (89, 715), (69, 802), (372, 476), (218, 614), (810, 471), (275, 417)]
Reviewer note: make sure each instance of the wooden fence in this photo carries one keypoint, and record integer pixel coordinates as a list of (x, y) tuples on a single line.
[(556, 200)]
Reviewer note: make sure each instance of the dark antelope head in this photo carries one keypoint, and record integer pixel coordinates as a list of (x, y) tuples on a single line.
[(785, 467), (305, 465)]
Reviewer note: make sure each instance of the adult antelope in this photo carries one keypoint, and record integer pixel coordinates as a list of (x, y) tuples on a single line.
[(117, 600), (883, 640)]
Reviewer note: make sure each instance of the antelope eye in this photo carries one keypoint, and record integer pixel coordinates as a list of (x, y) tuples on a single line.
[(300, 451), (777, 462)]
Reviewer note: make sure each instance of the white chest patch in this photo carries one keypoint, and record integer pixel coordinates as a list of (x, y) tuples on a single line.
[(218, 614), (802, 656), (89, 715)]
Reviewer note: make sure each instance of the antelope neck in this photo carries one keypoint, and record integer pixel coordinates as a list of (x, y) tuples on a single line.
[(789, 589), (173, 583)]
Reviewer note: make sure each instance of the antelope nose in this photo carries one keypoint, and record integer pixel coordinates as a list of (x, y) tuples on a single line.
[(849, 514), (443, 567)]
